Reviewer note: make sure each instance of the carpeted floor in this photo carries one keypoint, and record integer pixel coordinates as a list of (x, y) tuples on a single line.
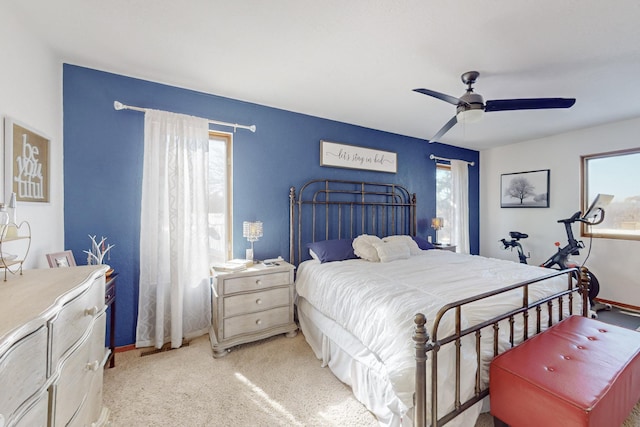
[(274, 382), (621, 317)]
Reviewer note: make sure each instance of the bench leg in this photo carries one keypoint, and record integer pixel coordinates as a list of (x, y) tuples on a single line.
[(497, 422)]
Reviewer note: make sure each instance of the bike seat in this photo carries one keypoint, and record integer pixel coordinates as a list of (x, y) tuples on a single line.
[(518, 235)]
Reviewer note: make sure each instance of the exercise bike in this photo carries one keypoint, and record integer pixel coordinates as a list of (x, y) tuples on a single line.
[(515, 243), (561, 259)]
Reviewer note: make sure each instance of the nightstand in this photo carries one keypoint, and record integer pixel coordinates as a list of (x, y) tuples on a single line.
[(445, 247), (250, 305), (110, 301)]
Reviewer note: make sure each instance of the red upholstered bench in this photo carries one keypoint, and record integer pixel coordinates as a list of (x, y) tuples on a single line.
[(580, 372)]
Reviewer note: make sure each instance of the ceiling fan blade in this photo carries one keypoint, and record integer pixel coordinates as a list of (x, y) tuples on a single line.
[(528, 104), (448, 98), (444, 129)]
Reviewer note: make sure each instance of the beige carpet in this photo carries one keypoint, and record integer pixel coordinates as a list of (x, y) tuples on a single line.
[(274, 382)]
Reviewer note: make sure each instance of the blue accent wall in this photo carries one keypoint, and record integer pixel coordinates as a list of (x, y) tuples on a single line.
[(103, 152)]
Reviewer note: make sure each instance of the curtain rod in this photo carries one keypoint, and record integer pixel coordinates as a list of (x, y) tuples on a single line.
[(120, 106), (444, 159)]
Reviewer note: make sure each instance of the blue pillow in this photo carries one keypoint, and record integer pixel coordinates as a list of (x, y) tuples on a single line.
[(333, 250), (422, 243)]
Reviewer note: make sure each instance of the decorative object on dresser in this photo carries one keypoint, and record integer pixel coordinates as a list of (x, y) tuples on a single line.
[(252, 230), (18, 237), (52, 334), (98, 250), (250, 305), (61, 259)]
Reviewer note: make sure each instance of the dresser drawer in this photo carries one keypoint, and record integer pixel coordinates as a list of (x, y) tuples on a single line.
[(73, 320), (38, 414), (255, 282), (22, 371), (82, 369), (255, 322), (256, 301)]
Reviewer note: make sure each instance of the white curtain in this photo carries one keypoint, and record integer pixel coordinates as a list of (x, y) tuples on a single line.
[(174, 298), (460, 199)]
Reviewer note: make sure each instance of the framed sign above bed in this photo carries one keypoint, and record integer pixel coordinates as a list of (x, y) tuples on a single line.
[(525, 189), (354, 157)]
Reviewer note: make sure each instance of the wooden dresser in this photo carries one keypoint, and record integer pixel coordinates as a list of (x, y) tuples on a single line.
[(52, 347), (252, 304)]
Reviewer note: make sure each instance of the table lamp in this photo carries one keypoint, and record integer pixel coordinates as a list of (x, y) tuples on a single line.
[(252, 230), (437, 223)]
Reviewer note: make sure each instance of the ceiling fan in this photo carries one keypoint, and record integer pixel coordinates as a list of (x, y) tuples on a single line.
[(471, 106)]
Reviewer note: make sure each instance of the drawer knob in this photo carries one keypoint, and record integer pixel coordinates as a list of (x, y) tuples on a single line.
[(93, 366), (259, 322), (259, 282), (91, 311), (258, 301)]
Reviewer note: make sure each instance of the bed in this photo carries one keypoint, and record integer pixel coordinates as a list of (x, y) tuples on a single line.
[(413, 331)]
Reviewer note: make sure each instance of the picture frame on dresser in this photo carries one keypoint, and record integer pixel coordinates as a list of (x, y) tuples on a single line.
[(26, 162), (61, 259)]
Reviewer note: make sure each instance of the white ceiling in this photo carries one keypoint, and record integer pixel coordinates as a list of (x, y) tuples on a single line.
[(357, 61)]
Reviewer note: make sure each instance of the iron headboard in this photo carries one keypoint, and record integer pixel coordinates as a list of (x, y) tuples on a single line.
[(327, 209)]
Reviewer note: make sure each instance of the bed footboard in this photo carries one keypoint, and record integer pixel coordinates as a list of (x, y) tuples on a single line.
[(427, 348)]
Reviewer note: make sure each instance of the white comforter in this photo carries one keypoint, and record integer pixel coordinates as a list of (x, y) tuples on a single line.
[(377, 302)]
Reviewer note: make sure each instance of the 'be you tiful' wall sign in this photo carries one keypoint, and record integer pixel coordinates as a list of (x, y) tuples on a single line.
[(354, 157), (26, 154)]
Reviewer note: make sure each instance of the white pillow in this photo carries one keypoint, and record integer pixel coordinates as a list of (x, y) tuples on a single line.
[(391, 251), (363, 247), (414, 249)]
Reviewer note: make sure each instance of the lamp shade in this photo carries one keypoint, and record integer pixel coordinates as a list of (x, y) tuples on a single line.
[(252, 230), (470, 115), (437, 223)]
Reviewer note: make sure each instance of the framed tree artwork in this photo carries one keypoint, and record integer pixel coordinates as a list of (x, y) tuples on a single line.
[(525, 189), (26, 156)]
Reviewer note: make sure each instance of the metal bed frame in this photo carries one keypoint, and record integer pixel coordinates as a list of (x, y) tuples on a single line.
[(345, 209)]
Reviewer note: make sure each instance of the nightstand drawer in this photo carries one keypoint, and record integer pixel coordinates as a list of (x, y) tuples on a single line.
[(256, 322), (256, 301), (255, 282)]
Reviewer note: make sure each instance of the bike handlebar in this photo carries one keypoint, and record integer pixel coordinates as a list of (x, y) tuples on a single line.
[(577, 217)]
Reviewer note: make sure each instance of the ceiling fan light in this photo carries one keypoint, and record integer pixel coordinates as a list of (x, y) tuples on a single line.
[(470, 116)]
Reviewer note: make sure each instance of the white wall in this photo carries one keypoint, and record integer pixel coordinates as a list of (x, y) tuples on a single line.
[(31, 93), (614, 262)]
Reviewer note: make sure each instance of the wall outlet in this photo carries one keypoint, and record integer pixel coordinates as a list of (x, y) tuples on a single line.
[(429, 239)]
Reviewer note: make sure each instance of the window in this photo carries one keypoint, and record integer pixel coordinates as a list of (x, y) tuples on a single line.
[(444, 208), (220, 192), (616, 173)]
